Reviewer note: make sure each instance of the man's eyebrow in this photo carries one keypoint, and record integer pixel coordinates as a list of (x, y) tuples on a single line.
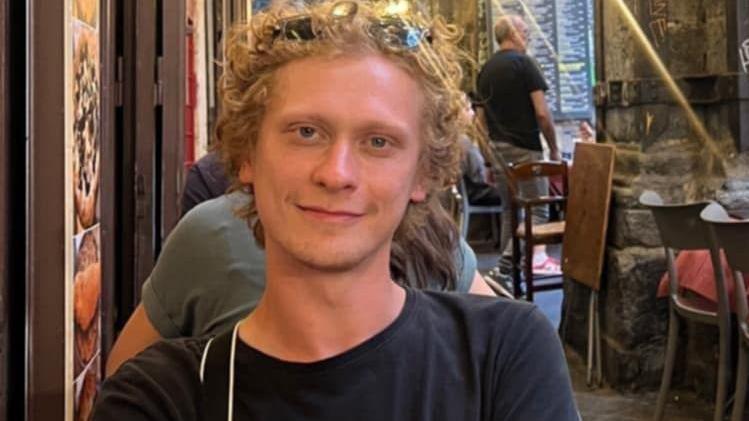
[(386, 126), (369, 125)]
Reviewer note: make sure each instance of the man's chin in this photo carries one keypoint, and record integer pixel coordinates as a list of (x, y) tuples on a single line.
[(337, 263), (333, 257)]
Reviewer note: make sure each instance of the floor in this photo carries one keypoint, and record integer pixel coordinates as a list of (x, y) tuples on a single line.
[(605, 404)]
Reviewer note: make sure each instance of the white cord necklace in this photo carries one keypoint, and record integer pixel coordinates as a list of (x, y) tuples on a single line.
[(230, 405)]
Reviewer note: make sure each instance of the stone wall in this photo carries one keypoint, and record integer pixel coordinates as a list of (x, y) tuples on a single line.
[(658, 149)]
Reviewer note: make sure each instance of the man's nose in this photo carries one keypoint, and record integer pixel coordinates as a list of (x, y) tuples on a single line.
[(337, 168)]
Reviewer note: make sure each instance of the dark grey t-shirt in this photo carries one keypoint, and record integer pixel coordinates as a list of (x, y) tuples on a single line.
[(211, 273), (446, 357)]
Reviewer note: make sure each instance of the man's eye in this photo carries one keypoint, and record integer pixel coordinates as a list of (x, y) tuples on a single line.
[(307, 132), (378, 142)]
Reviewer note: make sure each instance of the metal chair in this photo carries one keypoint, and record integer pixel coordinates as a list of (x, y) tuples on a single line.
[(681, 228), (731, 235), (533, 234), (467, 209)]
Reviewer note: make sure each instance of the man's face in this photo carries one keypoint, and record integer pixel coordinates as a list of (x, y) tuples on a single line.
[(336, 162), (521, 34)]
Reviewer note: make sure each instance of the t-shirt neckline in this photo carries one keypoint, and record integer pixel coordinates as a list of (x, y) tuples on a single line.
[(248, 355)]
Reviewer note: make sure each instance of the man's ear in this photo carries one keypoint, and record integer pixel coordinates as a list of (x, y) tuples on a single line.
[(418, 193), (245, 173)]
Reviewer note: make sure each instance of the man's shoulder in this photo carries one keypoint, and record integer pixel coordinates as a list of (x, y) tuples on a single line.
[(214, 215), (478, 311), (217, 208), (179, 356), (160, 383)]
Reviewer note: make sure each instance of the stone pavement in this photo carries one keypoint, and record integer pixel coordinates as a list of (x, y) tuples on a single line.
[(606, 404)]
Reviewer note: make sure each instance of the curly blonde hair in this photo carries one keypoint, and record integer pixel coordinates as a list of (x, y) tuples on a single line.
[(426, 239)]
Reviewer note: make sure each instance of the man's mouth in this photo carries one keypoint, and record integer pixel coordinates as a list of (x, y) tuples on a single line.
[(330, 214)]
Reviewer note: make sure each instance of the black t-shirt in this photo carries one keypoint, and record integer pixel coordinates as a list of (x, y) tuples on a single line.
[(206, 180), (447, 356), (504, 86)]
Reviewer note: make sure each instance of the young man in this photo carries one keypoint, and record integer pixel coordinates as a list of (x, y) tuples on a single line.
[(211, 274), (511, 88), (345, 122)]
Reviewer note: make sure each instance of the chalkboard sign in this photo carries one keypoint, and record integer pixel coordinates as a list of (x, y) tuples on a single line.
[(561, 42)]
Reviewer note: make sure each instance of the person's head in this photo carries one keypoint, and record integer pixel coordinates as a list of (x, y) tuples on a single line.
[(511, 32), (346, 123)]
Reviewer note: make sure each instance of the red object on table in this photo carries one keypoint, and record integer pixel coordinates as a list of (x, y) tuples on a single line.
[(695, 271)]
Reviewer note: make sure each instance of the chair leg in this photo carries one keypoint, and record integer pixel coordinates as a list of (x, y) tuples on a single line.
[(464, 224), (741, 375), (516, 266), (668, 366), (529, 270), (495, 230), (724, 361)]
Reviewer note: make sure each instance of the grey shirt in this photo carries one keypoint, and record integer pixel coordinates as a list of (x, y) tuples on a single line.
[(211, 273)]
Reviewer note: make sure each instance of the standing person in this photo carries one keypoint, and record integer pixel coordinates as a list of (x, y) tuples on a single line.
[(345, 122), (511, 88)]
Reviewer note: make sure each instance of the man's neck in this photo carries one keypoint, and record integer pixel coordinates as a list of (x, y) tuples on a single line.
[(509, 46), (307, 315)]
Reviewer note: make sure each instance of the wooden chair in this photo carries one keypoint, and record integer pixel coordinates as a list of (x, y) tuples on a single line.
[(681, 228), (533, 234), (731, 235)]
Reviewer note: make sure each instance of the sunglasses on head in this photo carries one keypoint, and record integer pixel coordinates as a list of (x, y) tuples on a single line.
[(391, 30)]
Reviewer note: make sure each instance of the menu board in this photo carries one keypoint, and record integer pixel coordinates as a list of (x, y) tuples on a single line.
[(561, 42)]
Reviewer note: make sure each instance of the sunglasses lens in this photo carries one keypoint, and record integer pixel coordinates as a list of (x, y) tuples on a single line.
[(412, 38), (299, 29), (397, 34)]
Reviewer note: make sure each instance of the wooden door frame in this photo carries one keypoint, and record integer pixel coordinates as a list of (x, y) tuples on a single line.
[(4, 205), (151, 150), (173, 80), (110, 97), (45, 225)]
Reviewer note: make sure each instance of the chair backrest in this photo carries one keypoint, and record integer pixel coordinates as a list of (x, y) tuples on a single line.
[(732, 235), (679, 225), (535, 169), (681, 228)]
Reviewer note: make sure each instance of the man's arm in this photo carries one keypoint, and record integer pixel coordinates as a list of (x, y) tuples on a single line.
[(481, 122), (138, 334), (531, 374), (479, 286), (545, 122), (161, 383)]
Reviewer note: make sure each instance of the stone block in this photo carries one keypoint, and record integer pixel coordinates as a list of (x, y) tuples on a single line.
[(687, 34), (632, 313), (738, 171), (672, 157), (634, 227), (623, 197), (627, 160), (701, 371), (631, 370), (716, 38), (624, 61)]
